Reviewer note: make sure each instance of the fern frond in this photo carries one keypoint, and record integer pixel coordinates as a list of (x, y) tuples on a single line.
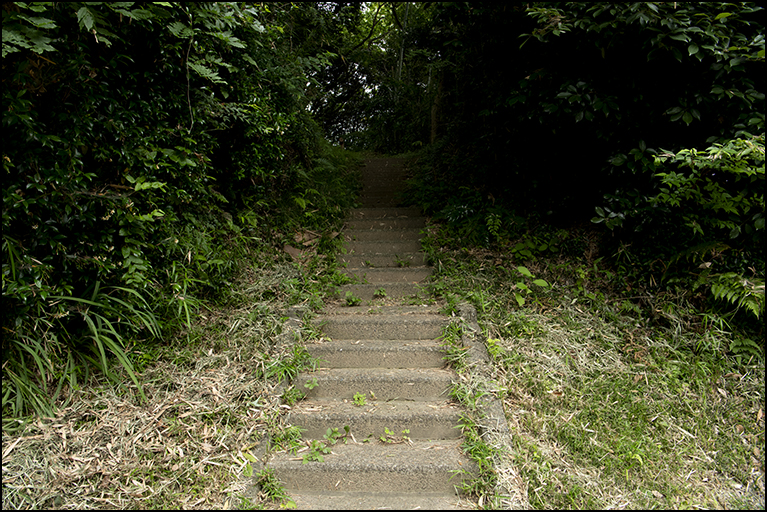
[(740, 292)]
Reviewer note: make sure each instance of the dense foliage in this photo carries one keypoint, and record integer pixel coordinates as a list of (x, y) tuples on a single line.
[(650, 115), (147, 147)]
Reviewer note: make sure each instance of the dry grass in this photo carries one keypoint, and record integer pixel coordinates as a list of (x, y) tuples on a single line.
[(208, 405)]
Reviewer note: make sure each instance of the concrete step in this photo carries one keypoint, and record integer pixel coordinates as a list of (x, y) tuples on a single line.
[(382, 235), (382, 326), (405, 259), (419, 384), (379, 354), (420, 467), (386, 223), (388, 309), (395, 291), (384, 213), (389, 275), (424, 420), (380, 501), (391, 248)]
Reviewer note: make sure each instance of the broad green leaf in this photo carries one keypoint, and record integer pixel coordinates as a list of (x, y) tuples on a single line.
[(541, 283), (692, 49), (524, 271), (520, 299), (85, 18), (618, 160), (722, 15)]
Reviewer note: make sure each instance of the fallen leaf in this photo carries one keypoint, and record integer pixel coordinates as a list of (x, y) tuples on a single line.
[(759, 415), (739, 428), (293, 252), (722, 392)]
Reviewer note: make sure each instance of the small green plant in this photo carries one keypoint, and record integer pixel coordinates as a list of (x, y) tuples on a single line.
[(524, 288), (360, 399), (316, 449), (311, 384), (400, 262), (390, 437), (380, 293), (333, 435), (352, 300)]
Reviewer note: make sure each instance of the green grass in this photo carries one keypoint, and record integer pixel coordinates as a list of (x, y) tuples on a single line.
[(610, 403)]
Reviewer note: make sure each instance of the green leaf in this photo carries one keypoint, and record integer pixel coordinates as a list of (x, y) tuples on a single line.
[(524, 271), (178, 29), (85, 18), (520, 299), (541, 283), (722, 15), (692, 49)]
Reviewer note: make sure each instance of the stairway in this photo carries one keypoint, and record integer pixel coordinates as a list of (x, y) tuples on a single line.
[(385, 348)]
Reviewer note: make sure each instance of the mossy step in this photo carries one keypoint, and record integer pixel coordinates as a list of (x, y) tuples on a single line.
[(419, 384), (424, 420), (420, 467), (379, 354)]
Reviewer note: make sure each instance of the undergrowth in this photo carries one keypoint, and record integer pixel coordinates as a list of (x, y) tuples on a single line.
[(207, 359), (617, 394)]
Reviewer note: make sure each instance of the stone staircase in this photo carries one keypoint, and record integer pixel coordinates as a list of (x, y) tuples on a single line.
[(385, 348)]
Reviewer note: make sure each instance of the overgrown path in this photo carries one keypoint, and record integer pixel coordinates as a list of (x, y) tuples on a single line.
[(379, 404)]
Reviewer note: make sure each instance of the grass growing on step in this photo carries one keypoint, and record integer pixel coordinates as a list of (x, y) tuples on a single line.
[(469, 390), (610, 403), (352, 300), (270, 489)]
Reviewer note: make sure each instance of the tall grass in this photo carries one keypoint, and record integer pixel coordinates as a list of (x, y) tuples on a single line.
[(67, 337)]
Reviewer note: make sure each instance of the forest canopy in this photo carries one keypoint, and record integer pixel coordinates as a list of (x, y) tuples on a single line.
[(143, 141)]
